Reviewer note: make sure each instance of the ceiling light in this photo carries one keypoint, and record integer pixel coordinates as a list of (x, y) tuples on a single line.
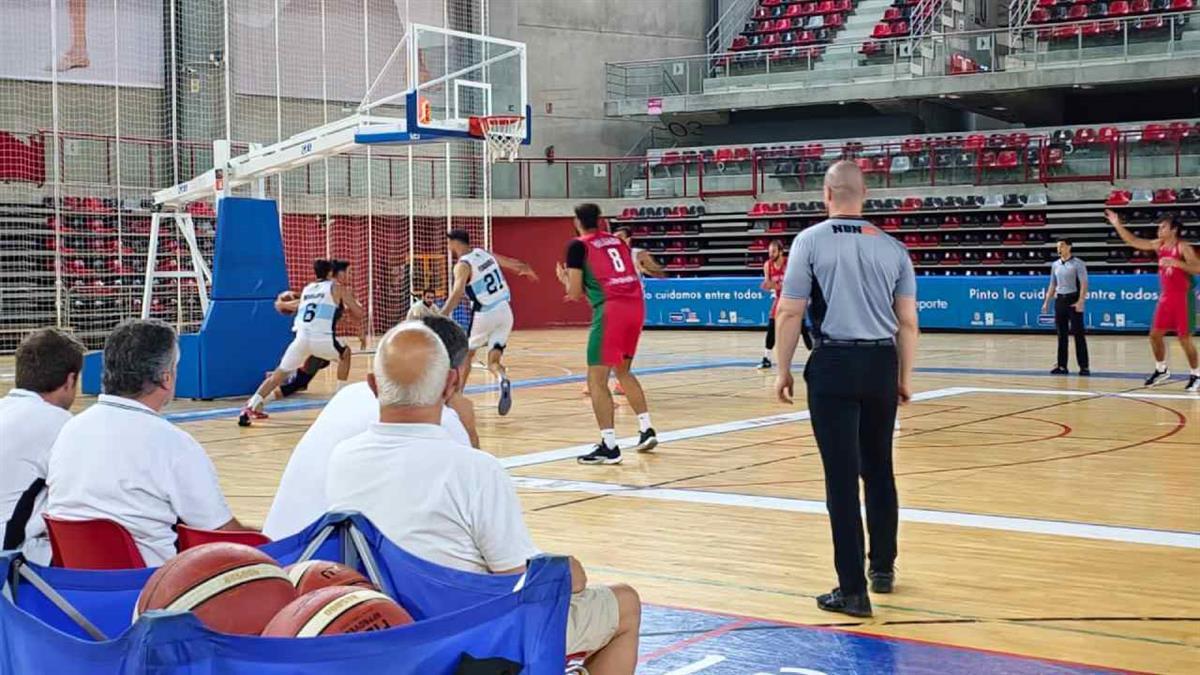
[(999, 108)]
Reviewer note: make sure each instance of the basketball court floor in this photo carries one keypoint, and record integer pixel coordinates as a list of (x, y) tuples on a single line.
[(1048, 524)]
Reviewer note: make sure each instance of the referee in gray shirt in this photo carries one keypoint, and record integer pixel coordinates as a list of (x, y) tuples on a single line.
[(1068, 290), (859, 284)]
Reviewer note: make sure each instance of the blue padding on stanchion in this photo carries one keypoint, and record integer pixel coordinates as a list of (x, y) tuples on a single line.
[(238, 342), (248, 259), (242, 335)]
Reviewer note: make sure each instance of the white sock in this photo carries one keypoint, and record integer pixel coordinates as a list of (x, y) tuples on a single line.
[(254, 402), (1160, 366), (609, 436), (767, 354), (1196, 372), (644, 421)]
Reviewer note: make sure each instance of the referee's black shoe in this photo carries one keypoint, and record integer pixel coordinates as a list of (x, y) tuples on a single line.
[(855, 605), (881, 582), (1059, 370)]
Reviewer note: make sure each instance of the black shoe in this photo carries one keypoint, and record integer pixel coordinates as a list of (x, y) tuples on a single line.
[(765, 364), (601, 455), (244, 418), (1059, 370), (1193, 383), (1158, 376), (1085, 372), (647, 442), (505, 397), (855, 605), (882, 582)]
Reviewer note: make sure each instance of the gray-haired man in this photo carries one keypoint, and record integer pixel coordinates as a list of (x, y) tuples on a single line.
[(120, 460)]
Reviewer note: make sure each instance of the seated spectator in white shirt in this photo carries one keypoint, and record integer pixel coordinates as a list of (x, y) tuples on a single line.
[(454, 505), (300, 499), (31, 415), (424, 306), (122, 461)]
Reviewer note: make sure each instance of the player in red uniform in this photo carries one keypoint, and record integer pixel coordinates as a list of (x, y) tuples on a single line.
[(1176, 310), (601, 267), (773, 270)]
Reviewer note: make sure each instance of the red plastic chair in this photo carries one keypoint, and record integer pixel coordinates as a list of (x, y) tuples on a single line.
[(1038, 15), (891, 14), (1182, 5), (834, 21), (1007, 159), (92, 545), (739, 43), (881, 30), (1119, 8), (1154, 133), (899, 28), (1077, 12), (1085, 136), (793, 11), (190, 537)]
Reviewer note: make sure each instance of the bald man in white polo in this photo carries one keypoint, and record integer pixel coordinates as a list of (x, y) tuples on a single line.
[(454, 505)]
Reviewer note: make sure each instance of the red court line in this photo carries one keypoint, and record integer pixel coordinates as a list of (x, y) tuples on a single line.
[(716, 632), (744, 620)]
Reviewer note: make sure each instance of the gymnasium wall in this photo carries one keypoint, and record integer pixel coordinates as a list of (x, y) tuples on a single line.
[(541, 242), (569, 43)]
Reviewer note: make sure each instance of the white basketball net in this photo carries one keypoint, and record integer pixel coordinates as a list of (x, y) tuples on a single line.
[(504, 136)]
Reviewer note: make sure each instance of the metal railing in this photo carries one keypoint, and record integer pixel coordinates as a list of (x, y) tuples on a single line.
[(1033, 47), (729, 25)]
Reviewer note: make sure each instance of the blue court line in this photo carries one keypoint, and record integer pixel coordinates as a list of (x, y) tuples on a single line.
[(312, 404)]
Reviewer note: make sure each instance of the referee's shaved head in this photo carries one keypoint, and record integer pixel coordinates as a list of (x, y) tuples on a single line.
[(845, 188)]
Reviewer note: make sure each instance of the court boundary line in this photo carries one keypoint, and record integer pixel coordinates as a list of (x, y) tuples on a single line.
[(1024, 525)]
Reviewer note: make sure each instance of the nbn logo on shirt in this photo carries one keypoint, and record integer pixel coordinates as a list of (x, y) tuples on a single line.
[(847, 229)]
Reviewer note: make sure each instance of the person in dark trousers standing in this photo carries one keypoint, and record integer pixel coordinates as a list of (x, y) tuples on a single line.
[(1068, 290), (860, 285)]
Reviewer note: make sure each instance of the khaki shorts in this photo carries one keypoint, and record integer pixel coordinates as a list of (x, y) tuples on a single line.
[(592, 620)]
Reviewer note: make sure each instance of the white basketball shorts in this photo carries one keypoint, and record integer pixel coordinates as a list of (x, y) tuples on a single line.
[(491, 328), (303, 346)]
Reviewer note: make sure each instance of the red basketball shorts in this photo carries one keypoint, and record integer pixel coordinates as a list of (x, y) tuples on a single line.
[(616, 330)]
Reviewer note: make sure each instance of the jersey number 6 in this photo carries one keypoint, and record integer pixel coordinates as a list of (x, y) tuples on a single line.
[(310, 312)]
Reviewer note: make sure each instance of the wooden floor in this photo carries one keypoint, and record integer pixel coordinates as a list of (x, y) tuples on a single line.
[(1039, 520)]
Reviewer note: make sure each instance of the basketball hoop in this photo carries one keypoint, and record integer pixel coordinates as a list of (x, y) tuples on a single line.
[(503, 133)]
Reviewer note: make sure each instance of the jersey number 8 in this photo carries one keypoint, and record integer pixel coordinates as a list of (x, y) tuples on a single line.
[(310, 312), (618, 263), (492, 282)]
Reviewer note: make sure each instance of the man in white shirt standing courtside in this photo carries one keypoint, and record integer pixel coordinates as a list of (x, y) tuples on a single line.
[(121, 460), (48, 365), (454, 505)]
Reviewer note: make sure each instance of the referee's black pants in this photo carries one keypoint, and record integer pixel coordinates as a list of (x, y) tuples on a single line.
[(852, 399), (1067, 318)]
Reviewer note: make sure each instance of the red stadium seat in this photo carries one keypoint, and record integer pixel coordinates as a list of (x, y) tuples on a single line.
[(843, 6), (92, 545), (871, 48), (793, 11), (1140, 6), (911, 204), (1182, 5), (1165, 196), (1054, 156), (190, 537), (892, 14), (975, 142), (1154, 133), (1085, 136), (1007, 159), (1108, 135), (899, 28), (771, 40), (1019, 139), (1177, 130), (881, 30), (1077, 12), (834, 21), (1151, 23), (1118, 198), (739, 43), (1038, 15), (1064, 33), (1119, 8), (1046, 3), (826, 7)]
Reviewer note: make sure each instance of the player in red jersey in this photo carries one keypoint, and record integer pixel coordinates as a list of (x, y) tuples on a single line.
[(773, 270), (600, 267), (1176, 310)]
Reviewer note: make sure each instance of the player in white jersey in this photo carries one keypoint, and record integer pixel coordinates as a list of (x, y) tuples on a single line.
[(646, 264), (317, 311), (479, 275)]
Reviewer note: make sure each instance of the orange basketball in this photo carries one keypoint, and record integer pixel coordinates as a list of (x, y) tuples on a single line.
[(335, 610), (232, 588), (310, 575), (286, 296)]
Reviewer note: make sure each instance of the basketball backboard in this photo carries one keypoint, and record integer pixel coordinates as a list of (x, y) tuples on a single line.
[(450, 77)]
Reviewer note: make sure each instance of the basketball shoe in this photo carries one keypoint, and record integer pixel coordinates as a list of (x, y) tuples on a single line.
[(1193, 383), (1158, 376), (248, 414), (601, 454), (647, 442)]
